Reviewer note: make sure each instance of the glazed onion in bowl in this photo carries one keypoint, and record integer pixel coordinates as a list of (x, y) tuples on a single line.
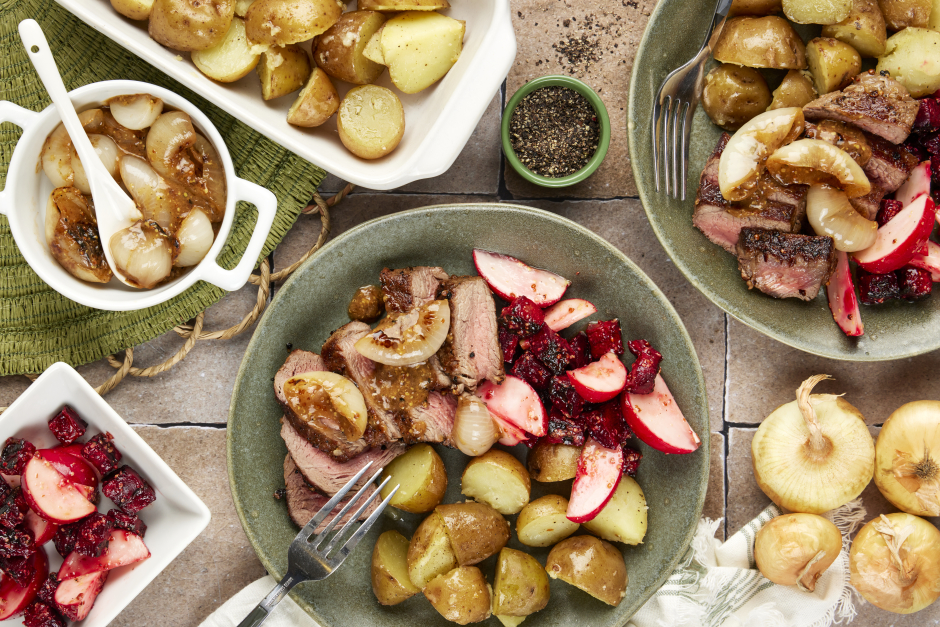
[(136, 111), (830, 213), (907, 463), (796, 549), (144, 253)]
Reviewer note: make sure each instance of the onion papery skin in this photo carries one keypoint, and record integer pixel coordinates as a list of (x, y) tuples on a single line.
[(474, 431), (874, 573), (909, 443), (787, 544), (795, 482)]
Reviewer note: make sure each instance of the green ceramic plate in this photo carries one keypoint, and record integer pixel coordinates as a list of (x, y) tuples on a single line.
[(313, 303), (892, 331)]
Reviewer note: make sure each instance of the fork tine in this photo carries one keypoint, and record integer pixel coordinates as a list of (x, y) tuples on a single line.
[(675, 147), (657, 116), (667, 115), (320, 516), (348, 506), (686, 134), (364, 528), (352, 520)]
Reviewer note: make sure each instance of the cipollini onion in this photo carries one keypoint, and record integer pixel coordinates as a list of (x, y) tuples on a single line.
[(474, 430), (108, 154), (813, 454), (829, 213), (811, 161), (408, 338), (136, 111), (795, 549), (143, 253), (195, 236), (907, 458), (895, 563)]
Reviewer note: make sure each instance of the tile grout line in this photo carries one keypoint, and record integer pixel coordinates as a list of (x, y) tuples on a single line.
[(725, 429), (181, 425)]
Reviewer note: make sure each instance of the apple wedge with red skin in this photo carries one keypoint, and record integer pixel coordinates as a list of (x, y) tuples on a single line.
[(929, 261), (916, 185), (14, 598), (124, 548), (656, 419), (509, 434), (842, 300), (75, 597), (72, 467), (515, 402), (509, 278), (600, 380), (42, 529), (566, 312), (900, 239), (52, 495), (596, 478)]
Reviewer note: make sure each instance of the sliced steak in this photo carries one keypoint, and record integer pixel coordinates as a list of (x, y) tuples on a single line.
[(303, 501), (408, 288), (433, 421), (471, 351), (298, 362), (785, 265), (869, 204), (889, 165), (877, 104), (780, 208)]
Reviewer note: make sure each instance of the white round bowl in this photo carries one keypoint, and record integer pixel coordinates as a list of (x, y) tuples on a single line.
[(23, 202)]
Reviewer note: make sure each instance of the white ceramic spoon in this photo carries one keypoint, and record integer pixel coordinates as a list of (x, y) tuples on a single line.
[(114, 209)]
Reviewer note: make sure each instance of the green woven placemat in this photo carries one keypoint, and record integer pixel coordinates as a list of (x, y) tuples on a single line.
[(38, 326)]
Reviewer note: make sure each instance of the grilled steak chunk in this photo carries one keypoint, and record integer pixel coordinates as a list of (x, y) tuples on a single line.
[(869, 204), (776, 207), (303, 502), (877, 104), (785, 265), (408, 288), (298, 362), (471, 351), (433, 420), (889, 165)]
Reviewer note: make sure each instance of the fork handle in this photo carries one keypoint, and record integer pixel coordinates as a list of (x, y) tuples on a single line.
[(264, 609), (718, 23)]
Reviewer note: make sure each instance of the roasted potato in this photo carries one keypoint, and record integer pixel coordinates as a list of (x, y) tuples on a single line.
[(134, 9), (190, 24), (899, 14), (913, 59), (552, 462), (497, 479), (817, 11), (864, 29), (317, 102), (283, 22), (734, 94), (242, 6), (476, 530), (420, 47), (755, 7), (339, 50), (544, 521), (796, 90), (832, 63), (590, 564), (373, 49), (402, 5), (283, 70), (763, 42), (623, 519), (230, 59), (461, 595), (371, 121), (422, 477), (934, 22), (429, 552), (390, 581), (521, 585), (509, 621)]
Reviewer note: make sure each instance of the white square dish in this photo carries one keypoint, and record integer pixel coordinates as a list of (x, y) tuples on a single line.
[(438, 120), (174, 520)]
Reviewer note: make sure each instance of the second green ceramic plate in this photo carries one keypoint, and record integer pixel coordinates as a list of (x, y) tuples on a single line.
[(313, 303), (892, 331)]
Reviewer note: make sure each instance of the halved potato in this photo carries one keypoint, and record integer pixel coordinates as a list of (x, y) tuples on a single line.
[(283, 22), (912, 57), (339, 51), (544, 521), (403, 5), (762, 42), (423, 479), (429, 552), (623, 519), (134, 9), (755, 7), (509, 621), (242, 6), (420, 47), (520, 587), (934, 22), (476, 530), (282, 70), (373, 49), (390, 581), (317, 102), (230, 59), (796, 90), (370, 121), (497, 479), (900, 14), (552, 462), (832, 63), (190, 24), (461, 596), (592, 565), (864, 29), (817, 11)]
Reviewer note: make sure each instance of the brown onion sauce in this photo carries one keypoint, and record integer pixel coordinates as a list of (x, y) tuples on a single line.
[(400, 388)]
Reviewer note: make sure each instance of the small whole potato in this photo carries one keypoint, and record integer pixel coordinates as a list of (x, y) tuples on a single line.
[(371, 121), (497, 479), (521, 584), (283, 22), (552, 462), (460, 595), (190, 24), (864, 29), (590, 564), (761, 42), (733, 95), (134, 9), (832, 63), (476, 530), (899, 14), (390, 581), (796, 90), (422, 478)]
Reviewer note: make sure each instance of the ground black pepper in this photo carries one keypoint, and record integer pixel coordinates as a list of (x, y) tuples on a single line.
[(554, 131)]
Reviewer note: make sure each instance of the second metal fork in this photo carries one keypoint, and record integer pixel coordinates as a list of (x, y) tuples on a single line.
[(674, 108)]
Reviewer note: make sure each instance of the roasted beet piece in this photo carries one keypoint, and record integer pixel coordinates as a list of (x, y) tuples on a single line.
[(16, 452), (508, 343), (605, 337), (67, 426), (94, 534), (127, 522), (19, 569), (552, 350), (522, 317), (65, 538), (46, 593), (631, 458), (874, 289), (16, 543), (581, 348), (13, 508), (564, 397), (606, 424), (889, 209), (564, 430), (102, 453), (42, 614), (643, 372), (928, 117), (531, 370), (127, 489), (4, 488), (931, 143), (914, 283), (935, 172)]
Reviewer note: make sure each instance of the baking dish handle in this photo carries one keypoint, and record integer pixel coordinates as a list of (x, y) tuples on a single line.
[(266, 204), (23, 118)]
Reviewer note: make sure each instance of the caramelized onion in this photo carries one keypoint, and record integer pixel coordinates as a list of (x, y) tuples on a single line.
[(408, 338), (163, 201), (328, 402), (195, 237), (72, 234), (907, 458), (170, 134), (813, 161), (108, 154), (474, 431), (136, 111), (830, 213), (143, 253)]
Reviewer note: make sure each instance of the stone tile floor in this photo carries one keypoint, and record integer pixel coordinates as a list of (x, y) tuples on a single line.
[(182, 413)]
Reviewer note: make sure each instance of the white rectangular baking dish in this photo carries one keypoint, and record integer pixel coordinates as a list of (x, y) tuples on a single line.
[(438, 121)]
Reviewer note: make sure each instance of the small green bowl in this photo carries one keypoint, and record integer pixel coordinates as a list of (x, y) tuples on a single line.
[(602, 118)]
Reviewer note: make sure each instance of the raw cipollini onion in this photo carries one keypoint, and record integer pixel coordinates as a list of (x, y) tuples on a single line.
[(895, 563), (195, 236), (143, 253), (795, 549), (408, 338), (830, 213), (136, 111), (474, 430), (813, 454), (907, 458)]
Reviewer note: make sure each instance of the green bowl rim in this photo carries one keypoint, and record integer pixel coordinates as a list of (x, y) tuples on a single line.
[(602, 117)]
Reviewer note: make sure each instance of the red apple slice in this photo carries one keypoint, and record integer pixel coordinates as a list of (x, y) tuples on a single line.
[(657, 420), (509, 277), (71, 466), (842, 301), (51, 495), (42, 529), (600, 380), (517, 403), (510, 434), (75, 597), (596, 478), (916, 185), (12, 480), (929, 261), (900, 239), (124, 548), (13, 598), (566, 312)]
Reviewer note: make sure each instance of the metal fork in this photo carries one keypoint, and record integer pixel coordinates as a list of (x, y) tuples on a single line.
[(677, 98), (306, 561)]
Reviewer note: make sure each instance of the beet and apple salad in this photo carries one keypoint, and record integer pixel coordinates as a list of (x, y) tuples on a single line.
[(53, 495)]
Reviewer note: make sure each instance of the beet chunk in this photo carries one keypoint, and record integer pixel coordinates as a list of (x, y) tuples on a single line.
[(928, 117), (127, 522), (127, 489), (631, 458), (65, 538), (16, 543), (522, 317), (42, 614), (46, 593), (889, 209), (643, 372), (552, 350), (531, 370), (564, 397), (581, 348), (16, 453), (564, 430), (875, 289), (606, 424), (94, 535), (67, 426), (604, 337), (13, 508), (102, 453), (914, 283), (20, 569), (508, 343)]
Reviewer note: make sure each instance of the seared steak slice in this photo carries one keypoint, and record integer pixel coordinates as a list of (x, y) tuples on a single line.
[(877, 104), (785, 265), (781, 208), (298, 362), (408, 288), (303, 502), (325, 473), (433, 420), (889, 165), (869, 204), (471, 351)]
